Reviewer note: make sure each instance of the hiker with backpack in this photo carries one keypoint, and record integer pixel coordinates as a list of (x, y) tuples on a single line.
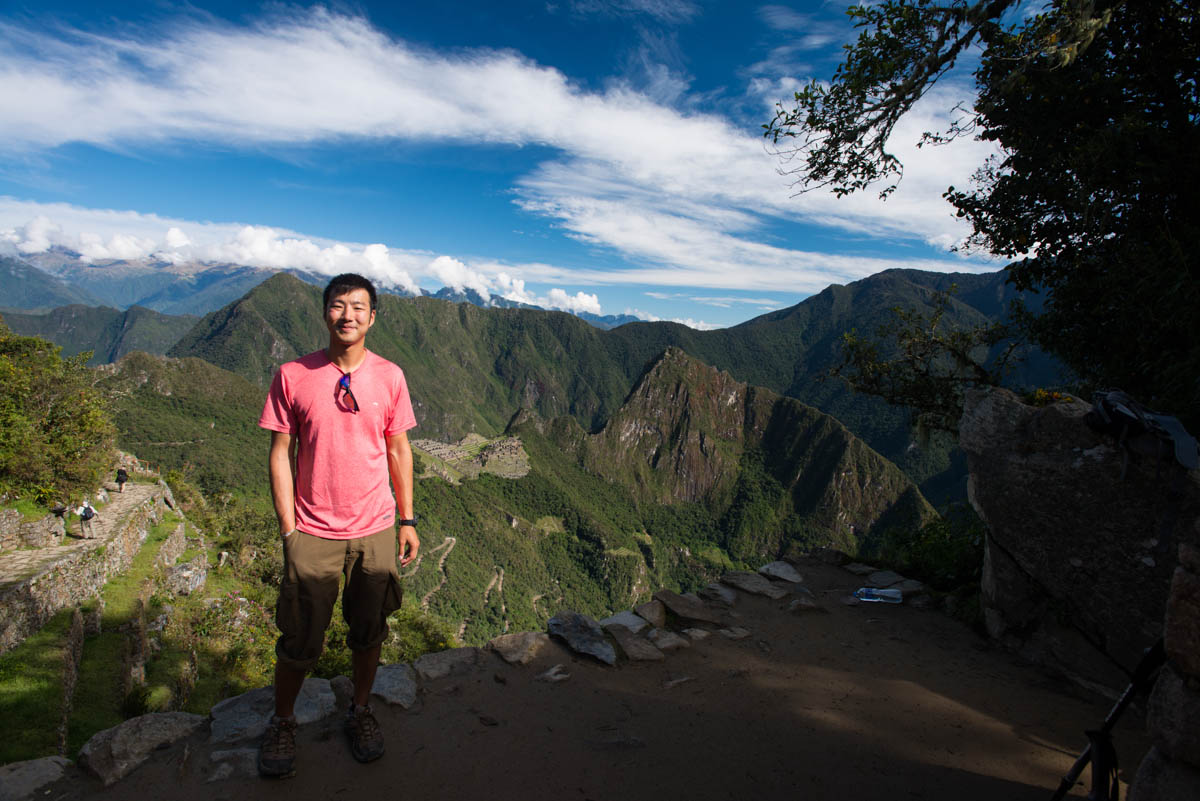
[(86, 513)]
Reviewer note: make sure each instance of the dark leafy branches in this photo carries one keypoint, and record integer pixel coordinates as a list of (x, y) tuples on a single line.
[(1094, 106), (839, 132), (919, 361)]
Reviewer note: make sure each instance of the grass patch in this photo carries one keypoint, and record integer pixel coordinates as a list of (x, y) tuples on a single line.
[(31, 692), (121, 593), (99, 702), (549, 525), (714, 557)]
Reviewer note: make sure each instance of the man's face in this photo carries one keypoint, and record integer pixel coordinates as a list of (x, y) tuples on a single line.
[(349, 316)]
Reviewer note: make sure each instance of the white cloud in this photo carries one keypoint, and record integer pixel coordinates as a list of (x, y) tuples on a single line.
[(176, 238), (579, 302), (100, 235), (724, 302), (457, 276), (699, 325), (685, 197), (670, 11)]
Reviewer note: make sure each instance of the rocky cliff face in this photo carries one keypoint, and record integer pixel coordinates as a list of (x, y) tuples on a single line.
[(691, 433), (1079, 559), (680, 434)]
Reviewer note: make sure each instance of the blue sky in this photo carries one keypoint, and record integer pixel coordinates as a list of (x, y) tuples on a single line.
[(597, 155)]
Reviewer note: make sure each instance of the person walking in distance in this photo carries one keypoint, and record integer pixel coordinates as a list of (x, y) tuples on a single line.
[(86, 513), (338, 419)]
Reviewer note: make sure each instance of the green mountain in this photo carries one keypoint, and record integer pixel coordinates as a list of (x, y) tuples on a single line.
[(24, 286), (773, 470), (694, 474), (471, 369), (188, 414), (109, 333)]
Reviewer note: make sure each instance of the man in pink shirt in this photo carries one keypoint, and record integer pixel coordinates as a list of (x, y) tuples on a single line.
[(338, 418)]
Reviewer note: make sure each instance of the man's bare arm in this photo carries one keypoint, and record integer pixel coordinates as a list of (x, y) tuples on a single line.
[(400, 464), (282, 460)]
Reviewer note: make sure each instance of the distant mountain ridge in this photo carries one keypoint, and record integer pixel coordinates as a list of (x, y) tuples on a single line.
[(62, 277), (473, 368), (109, 333), (24, 286)]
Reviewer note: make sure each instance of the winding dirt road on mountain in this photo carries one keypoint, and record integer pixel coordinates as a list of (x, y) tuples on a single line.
[(857, 702), (446, 547)]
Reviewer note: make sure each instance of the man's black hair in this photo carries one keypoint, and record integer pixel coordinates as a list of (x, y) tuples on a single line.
[(347, 282)]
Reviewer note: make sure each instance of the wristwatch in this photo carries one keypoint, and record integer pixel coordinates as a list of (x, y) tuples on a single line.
[(409, 521)]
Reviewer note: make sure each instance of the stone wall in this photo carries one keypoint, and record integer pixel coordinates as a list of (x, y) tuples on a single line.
[(16, 532), (1082, 536), (73, 655), (173, 547), (1172, 768), (79, 574)]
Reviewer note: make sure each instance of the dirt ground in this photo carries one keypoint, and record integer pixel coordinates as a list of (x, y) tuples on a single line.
[(867, 701)]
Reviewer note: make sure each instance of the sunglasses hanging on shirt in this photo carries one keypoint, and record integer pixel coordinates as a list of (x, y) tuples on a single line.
[(344, 387)]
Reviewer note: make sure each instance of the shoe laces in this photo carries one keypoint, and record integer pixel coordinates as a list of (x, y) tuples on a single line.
[(282, 739), (364, 721)]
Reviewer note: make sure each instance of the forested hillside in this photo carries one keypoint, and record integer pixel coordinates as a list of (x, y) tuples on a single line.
[(107, 332), (721, 475), (471, 369)]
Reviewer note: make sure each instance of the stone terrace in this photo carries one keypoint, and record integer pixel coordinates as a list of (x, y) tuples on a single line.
[(35, 583)]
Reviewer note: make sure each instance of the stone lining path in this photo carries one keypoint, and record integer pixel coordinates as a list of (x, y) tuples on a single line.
[(17, 566), (861, 700)]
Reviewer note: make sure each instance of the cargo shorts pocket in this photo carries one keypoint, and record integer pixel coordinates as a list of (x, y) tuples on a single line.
[(393, 595)]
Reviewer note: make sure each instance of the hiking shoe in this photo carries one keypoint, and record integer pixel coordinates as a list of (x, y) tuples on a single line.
[(366, 739), (277, 751)]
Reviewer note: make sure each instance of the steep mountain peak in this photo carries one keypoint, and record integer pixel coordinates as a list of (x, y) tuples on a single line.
[(682, 428), (692, 433)]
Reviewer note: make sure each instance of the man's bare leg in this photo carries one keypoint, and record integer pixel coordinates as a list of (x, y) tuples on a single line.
[(287, 687), (365, 664)]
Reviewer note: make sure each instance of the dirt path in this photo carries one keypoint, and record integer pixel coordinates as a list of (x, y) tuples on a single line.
[(20, 565), (858, 702), (446, 547)]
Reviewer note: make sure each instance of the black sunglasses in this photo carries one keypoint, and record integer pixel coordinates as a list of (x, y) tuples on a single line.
[(344, 385)]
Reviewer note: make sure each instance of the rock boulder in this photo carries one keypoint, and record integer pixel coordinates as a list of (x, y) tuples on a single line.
[(113, 753), (1082, 536)]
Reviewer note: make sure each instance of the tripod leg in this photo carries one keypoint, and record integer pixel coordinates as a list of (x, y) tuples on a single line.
[(1105, 786)]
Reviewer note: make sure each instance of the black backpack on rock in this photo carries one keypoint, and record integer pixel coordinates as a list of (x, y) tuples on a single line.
[(1141, 430)]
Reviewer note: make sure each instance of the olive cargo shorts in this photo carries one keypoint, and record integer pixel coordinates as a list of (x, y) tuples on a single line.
[(311, 567)]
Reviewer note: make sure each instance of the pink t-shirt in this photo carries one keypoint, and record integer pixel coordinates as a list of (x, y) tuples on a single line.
[(342, 483)]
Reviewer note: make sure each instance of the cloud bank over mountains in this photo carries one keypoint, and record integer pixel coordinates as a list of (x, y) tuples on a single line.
[(681, 195), (148, 236)]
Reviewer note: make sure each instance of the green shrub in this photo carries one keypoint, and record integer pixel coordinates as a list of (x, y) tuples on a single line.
[(946, 553), (56, 436)]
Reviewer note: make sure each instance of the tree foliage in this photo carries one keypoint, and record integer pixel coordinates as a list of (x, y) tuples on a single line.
[(1095, 107), (56, 438), (927, 366)]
